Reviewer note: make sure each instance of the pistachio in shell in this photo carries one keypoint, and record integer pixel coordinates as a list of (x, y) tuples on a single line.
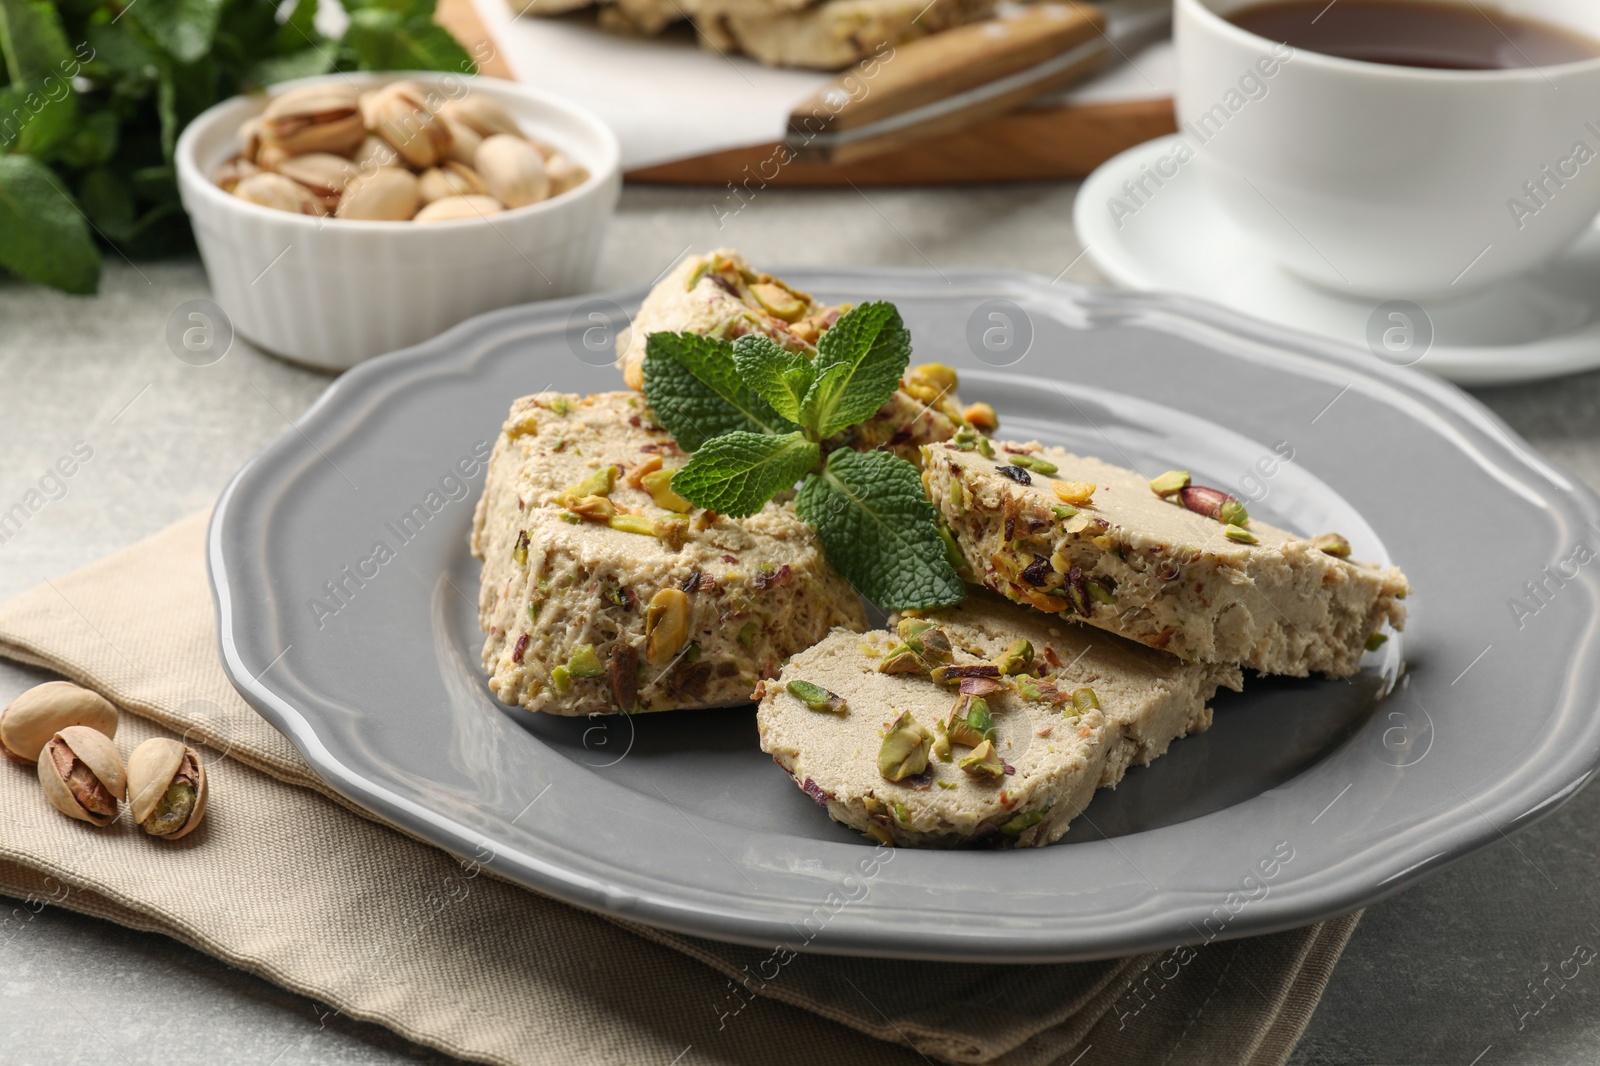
[(464, 140), (399, 115), (28, 723), (388, 194), (231, 173), (375, 152), (166, 788), (449, 179), (315, 118), (248, 139), (513, 170), (456, 208), (480, 115), (82, 775), (323, 173), (564, 173), (279, 193)]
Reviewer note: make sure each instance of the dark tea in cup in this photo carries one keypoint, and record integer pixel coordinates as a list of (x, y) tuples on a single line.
[(1416, 33)]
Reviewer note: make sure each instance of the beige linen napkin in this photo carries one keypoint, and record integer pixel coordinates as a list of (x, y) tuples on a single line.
[(288, 881)]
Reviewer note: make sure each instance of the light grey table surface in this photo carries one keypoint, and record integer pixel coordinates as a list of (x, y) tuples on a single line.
[(1442, 974)]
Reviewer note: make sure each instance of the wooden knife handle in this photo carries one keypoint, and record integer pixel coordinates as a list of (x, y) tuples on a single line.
[(936, 68)]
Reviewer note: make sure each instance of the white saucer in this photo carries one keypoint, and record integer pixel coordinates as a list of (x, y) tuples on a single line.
[(1538, 326)]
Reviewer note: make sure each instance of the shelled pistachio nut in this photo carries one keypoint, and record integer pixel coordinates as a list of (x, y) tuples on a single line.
[(388, 194), (166, 787), (82, 774), (513, 170), (280, 193), (666, 626), (455, 208), (449, 179), (399, 115), (484, 117), (31, 719), (315, 118)]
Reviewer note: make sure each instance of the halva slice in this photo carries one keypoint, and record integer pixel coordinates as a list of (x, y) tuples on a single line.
[(985, 723), (603, 591), (832, 34), (1169, 564), (719, 295)]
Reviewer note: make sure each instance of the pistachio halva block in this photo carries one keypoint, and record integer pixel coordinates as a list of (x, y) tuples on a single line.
[(604, 591), (1169, 564), (985, 723), (719, 295), (832, 34)]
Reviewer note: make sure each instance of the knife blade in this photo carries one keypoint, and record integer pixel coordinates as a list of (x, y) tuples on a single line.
[(947, 81)]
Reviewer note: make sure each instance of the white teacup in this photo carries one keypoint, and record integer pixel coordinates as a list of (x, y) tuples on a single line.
[(1391, 181)]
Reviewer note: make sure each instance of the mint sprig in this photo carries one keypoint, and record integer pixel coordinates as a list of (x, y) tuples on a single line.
[(755, 416)]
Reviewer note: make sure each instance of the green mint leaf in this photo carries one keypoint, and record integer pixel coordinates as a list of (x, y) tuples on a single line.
[(737, 473), (879, 530), (184, 29), (43, 236), (779, 377), (384, 39), (858, 366), (32, 122), (695, 391), (34, 44)]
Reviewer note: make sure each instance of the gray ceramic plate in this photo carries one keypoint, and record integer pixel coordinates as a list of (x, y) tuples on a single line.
[(1304, 800)]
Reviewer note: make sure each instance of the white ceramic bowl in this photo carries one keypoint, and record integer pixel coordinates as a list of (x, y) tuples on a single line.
[(332, 292)]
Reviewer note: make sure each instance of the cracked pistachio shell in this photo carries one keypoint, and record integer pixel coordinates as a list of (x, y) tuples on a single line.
[(449, 179), (388, 194), (315, 118), (513, 170), (152, 767), (455, 208), (482, 116), (279, 193), (94, 750), (31, 719), (399, 114)]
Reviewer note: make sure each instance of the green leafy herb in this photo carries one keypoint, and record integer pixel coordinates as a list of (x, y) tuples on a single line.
[(695, 390), (42, 237), (93, 95), (781, 378), (737, 473), (858, 366), (879, 530), (755, 416)]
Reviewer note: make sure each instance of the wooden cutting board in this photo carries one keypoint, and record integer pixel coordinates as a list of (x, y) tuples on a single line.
[(1034, 144)]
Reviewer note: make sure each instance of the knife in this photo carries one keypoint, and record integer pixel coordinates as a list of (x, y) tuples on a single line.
[(947, 81)]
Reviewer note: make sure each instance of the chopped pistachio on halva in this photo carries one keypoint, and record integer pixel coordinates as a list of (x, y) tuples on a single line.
[(1173, 566), (604, 591), (1052, 712)]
